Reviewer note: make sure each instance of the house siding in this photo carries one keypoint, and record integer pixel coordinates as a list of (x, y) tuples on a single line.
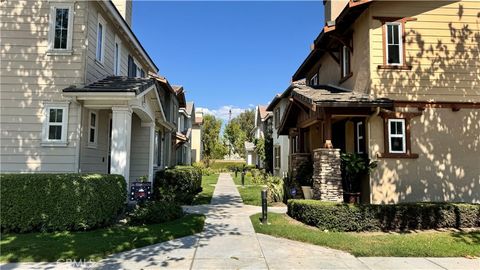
[(281, 141), (140, 146), (30, 77), (95, 159)]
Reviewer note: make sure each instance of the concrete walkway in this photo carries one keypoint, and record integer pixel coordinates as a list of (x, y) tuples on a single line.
[(230, 242)]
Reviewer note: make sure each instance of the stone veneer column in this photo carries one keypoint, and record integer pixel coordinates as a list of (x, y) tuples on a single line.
[(327, 175)]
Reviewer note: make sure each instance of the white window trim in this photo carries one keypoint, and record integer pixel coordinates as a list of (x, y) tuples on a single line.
[(102, 49), (359, 126), (403, 136), (117, 59), (314, 80), (51, 34), (400, 43), (277, 151), (46, 124), (93, 144), (345, 52)]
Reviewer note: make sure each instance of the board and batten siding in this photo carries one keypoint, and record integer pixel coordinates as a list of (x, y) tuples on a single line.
[(442, 46), (29, 78)]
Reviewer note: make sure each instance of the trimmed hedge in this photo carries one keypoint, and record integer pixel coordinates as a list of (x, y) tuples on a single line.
[(58, 202), (396, 217), (181, 182), (155, 212)]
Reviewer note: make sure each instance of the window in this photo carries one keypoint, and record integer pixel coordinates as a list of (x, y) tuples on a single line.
[(396, 136), (55, 124), (345, 61), (156, 149), (360, 131), (132, 67), (393, 44), (100, 39), (117, 57), (277, 117), (314, 80), (142, 73), (295, 144), (92, 130), (277, 157), (61, 23)]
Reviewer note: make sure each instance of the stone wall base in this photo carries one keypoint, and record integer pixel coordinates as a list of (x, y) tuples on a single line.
[(327, 175)]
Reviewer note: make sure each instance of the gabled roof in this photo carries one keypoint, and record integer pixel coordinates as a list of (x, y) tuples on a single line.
[(180, 93), (115, 84), (285, 94), (342, 23), (189, 107), (163, 82)]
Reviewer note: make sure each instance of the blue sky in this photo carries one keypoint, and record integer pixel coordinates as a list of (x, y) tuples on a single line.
[(228, 54)]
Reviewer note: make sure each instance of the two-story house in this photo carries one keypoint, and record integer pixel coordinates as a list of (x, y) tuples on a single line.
[(398, 83), (75, 91), (183, 136), (282, 149), (258, 132), (196, 141)]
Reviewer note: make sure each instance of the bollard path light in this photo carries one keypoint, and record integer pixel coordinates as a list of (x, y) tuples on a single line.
[(236, 171), (243, 178), (264, 218)]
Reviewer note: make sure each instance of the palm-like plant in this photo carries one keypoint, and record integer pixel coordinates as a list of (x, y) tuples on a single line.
[(354, 165)]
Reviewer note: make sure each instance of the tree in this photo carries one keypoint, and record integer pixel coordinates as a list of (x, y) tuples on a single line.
[(239, 130), (213, 148)]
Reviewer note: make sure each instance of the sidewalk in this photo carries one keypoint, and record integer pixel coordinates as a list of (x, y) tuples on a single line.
[(229, 242)]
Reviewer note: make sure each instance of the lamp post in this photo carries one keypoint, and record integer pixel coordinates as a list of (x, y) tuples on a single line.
[(264, 207), (243, 178)]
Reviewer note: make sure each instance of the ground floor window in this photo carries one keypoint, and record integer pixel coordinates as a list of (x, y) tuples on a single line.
[(396, 136), (360, 137), (55, 123), (276, 154)]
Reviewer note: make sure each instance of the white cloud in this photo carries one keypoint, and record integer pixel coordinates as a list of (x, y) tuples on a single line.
[(222, 112)]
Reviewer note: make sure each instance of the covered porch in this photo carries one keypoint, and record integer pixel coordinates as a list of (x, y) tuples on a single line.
[(122, 127), (322, 122)]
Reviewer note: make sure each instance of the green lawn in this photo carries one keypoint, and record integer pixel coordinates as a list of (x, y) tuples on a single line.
[(95, 244), (423, 244), (208, 186), (250, 193)]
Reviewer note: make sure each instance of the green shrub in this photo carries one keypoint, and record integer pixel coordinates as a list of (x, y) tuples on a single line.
[(57, 202), (181, 182), (258, 177), (407, 216), (224, 166), (203, 168), (155, 212), (275, 187)]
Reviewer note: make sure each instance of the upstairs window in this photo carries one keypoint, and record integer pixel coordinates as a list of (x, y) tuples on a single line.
[(117, 57), (100, 39), (132, 67), (55, 124), (276, 117), (314, 80), (394, 44), (61, 24), (345, 62), (396, 136), (92, 132)]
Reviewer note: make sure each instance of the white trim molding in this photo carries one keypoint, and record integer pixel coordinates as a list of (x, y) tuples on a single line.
[(62, 141)]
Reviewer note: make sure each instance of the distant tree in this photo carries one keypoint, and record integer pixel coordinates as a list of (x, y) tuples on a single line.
[(213, 147), (239, 130)]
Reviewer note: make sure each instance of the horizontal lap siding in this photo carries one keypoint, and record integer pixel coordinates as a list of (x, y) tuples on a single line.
[(140, 147), (95, 159), (30, 77), (441, 46)]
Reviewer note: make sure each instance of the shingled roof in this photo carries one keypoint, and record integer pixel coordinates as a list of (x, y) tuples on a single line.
[(114, 84), (334, 96)]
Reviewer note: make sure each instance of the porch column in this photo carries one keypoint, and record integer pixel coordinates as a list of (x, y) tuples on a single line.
[(121, 136), (327, 175), (152, 149), (327, 129)]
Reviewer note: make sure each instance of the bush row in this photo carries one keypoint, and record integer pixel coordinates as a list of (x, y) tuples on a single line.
[(57, 202), (407, 216), (155, 212), (181, 183)]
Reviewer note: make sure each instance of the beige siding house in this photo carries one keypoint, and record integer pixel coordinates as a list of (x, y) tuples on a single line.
[(79, 93), (197, 145), (398, 83)]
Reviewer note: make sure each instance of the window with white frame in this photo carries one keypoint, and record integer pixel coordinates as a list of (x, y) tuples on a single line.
[(61, 27), (117, 57), (394, 43), (55, 123), (92, 129), (345, 61), (360, 137), (314, 80), (277, 156), (100, 39), (396, 136)]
